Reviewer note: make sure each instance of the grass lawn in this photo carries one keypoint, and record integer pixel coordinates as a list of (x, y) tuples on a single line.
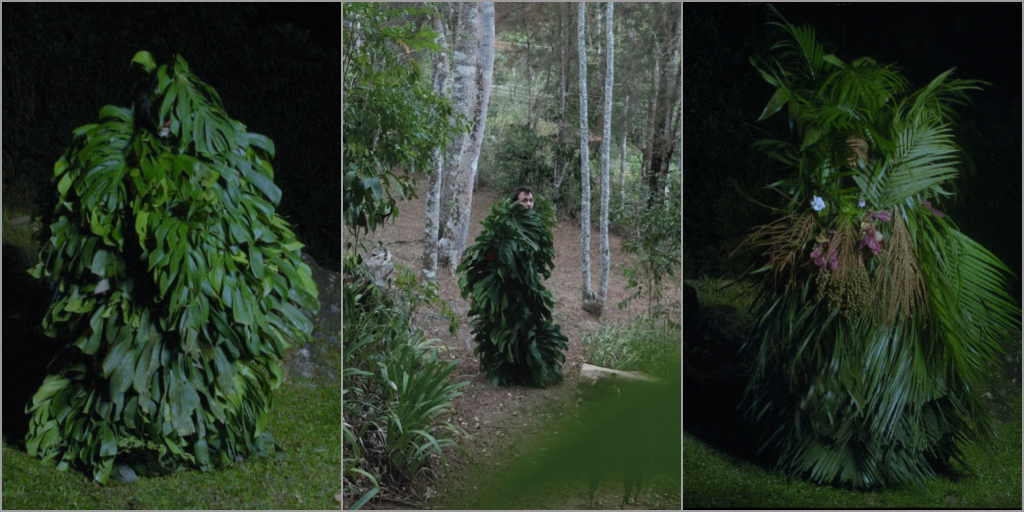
[(306, 422), (713, 479)]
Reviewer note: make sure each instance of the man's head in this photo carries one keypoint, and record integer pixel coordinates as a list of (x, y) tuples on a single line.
[(524, 196)]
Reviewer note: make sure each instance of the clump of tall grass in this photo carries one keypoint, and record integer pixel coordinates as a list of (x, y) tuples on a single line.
[(643, 345)]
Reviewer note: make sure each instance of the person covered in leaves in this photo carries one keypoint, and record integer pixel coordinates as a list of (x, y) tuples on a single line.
[(517, 343), (177, 287)]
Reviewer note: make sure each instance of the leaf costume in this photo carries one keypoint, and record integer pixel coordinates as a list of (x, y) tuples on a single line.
[(176, 285), (877, 318), (516, 341)]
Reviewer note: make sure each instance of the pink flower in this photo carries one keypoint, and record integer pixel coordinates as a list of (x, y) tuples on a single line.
[(872, 240), (818, 255), (884, 215), (928, 204)]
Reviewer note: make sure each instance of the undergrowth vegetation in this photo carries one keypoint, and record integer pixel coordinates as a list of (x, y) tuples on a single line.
[(643, 346), (396, 388)]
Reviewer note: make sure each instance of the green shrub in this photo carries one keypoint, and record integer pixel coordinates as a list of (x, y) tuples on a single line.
[(638, 346), (393, 120), (395, 388), (516, 341), (521, 157), (175, 283), (654, 237)]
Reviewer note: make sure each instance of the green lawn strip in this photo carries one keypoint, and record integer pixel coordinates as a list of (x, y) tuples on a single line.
[(712, 479), (306, 423)]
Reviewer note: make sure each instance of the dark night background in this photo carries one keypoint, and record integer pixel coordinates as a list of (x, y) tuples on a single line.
[(277, 68), (723, 95)]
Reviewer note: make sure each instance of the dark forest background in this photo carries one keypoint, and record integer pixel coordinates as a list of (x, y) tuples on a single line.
[(723, 95), (277, 68)]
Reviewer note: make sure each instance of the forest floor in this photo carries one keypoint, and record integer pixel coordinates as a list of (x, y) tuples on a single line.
[(500, 421)]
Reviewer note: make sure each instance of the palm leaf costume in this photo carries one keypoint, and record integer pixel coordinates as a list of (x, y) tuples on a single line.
[(877, 318), (516, 341), (177, 287)]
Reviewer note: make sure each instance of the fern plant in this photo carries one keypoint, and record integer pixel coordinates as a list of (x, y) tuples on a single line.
[(516, 341), (176, 285), (876, 316)]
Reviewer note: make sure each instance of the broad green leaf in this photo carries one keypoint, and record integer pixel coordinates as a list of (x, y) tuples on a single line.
[(776, 103), (263, 142), (144, 59)]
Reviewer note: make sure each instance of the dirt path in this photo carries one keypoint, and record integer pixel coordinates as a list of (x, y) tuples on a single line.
[(498, 418)]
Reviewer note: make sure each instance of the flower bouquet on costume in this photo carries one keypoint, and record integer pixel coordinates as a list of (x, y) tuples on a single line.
[(876, 318), (176, 286), (516, 341)]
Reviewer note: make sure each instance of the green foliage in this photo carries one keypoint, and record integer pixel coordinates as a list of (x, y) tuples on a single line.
[(175, 283), (516, 341), (521, 157), (639, 346), (653, 236), (393, 120), (396, 388), (868, 358)]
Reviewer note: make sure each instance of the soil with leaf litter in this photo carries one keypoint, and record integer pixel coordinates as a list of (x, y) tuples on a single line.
[(500, 420)]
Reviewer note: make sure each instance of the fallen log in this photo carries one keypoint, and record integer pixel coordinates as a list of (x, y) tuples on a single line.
[(596, 381), (591, 374)]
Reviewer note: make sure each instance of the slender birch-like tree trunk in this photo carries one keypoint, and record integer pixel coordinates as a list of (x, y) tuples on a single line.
[(671, 97), (622, 154), (606, 143), (587, 291), (652, 112), (471, 156), (463, 91), (563, 87), (430, 231)]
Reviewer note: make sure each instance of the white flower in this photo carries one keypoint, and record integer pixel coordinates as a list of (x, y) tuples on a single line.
[(818, 204), (861, 203), (165, 131)]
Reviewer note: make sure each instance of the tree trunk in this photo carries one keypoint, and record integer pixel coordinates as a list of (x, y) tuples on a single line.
[(671, 96), (529, 79), (430, 231), (563, 87), (462, 96), (622, 154), (463, 202), (606, 143), (652, 112), (587, 291)]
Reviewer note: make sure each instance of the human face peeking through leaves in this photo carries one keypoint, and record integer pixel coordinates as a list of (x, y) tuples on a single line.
[(526, 199)]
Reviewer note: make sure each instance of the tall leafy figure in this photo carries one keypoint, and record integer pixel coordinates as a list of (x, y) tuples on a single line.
[(176, 285), (877, 317), (516, 341)]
